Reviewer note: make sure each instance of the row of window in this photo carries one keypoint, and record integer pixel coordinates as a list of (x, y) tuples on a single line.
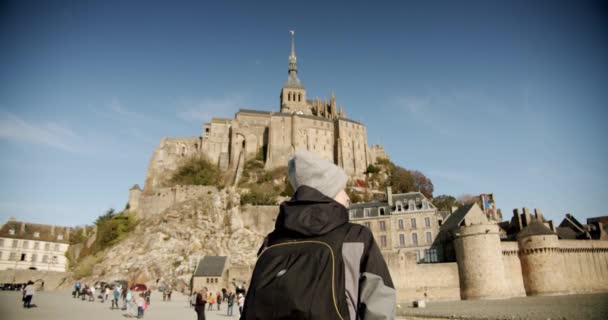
[(211, 280), (36, 234), (26, 245), (400, 224), (402, 242), (411, 206), (32, 258), (294, 96)]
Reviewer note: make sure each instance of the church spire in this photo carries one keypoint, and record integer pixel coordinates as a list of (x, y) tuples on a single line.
[(293, 67)]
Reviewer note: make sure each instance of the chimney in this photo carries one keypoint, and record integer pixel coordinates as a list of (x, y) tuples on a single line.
[(527, 216), (389, 196), (518, 219), (552, 226), (23, 227), (539, 215)]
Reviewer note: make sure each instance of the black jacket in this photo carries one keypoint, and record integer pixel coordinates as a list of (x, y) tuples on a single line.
[(368, 286)]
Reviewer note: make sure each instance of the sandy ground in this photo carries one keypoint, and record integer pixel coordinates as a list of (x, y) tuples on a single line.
[(60, 305), (571, 307)]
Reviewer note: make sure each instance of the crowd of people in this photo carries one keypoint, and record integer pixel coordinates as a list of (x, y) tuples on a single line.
[(133, 302), (204, 297)]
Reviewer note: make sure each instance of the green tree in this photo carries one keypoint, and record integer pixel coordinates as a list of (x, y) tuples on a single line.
[(445, 202), (401, 180), (197, 170), (422, 183)]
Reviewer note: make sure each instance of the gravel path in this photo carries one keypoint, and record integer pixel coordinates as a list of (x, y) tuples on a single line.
[(570, 307)]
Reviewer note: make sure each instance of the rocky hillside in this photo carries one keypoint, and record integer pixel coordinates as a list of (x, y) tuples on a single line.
[(166, 246)]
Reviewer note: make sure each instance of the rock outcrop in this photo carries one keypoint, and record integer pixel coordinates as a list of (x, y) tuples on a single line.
[(167, 245)]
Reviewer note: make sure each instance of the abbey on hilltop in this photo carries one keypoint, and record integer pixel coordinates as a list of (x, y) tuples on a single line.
[(316, 125)]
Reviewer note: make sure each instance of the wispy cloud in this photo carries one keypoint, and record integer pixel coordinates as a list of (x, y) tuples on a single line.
[(205, 109), (49, 134)]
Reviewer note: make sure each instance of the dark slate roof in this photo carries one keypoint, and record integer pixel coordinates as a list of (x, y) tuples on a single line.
[(456, 218), (374, 204), (44, 231), (210, 266), (535, 228), (254, 111), (293, 81), (566, 233)]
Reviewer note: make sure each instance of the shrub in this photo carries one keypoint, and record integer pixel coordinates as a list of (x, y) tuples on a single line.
[(111, 231), (372, 169), (197, 170), (260, 196)]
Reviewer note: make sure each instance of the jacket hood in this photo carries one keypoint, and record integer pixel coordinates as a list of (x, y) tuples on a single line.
[(310, 213)]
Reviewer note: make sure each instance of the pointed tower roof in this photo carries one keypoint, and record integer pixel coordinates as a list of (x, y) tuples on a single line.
[(292, 79)]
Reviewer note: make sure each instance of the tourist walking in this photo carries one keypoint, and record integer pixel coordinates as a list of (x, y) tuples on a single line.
[(141, 305), (106, 294), (28, 294), (199, 305), (115, 296), (211, 301), (218, 300), (312, 226), (92, 294), (129, 302), (241, 302), (230, 301)]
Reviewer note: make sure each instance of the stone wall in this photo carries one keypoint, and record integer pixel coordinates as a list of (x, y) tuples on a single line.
[(438, 280), (585, 265), (512, 269), (163, 198), (353, 154), (259, 218), (52, 280), (166, 159)]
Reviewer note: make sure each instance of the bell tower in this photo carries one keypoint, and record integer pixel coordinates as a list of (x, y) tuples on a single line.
[(293, 94)]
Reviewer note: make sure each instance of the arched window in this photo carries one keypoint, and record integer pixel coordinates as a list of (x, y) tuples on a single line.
[(289, 96), (299, 97)]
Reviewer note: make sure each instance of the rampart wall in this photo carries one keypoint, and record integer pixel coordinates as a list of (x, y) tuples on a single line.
[(439, 281), (512, 269)]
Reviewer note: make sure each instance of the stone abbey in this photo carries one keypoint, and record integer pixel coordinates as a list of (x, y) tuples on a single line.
[(316, 125)]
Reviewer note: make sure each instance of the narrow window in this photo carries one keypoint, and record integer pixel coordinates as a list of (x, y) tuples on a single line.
[(288, 99), (413, 223), (47, 246), (45, 259), (429, 237), (382, 226), (415, 238), (383, 241), (299, 97), (26, 244), (402, 240), (427, 222), (36, 245), (400, 224), (34, 258), (23, 257), (15, 243)]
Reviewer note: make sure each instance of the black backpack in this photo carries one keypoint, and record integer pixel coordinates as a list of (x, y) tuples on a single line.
[(299, 279)]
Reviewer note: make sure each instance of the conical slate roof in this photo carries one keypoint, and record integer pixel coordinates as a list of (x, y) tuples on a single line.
[(535, 228)]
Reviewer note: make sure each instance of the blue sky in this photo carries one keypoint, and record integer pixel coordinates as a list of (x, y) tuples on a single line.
[(490, 96)]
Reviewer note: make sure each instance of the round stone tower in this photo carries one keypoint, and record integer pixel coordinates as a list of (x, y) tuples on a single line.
[(479, 258), (541, 263)]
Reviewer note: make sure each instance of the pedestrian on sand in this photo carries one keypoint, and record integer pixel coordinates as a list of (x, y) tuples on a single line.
[(28, 294), (199, 305), (210, 301), (115, 297), (312, 235), (218, 300), (241, 302), (230, 301)]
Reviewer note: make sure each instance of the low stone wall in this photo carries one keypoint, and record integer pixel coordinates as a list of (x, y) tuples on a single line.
[(163, 198), (52, 280), (439, 281)]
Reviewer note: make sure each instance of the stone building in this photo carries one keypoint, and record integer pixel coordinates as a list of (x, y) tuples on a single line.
[(317, 125), (212, 273), (408, 222), (33, 246)]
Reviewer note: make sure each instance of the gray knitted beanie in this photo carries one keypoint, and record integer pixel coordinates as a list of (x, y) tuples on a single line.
[(306, 168)]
